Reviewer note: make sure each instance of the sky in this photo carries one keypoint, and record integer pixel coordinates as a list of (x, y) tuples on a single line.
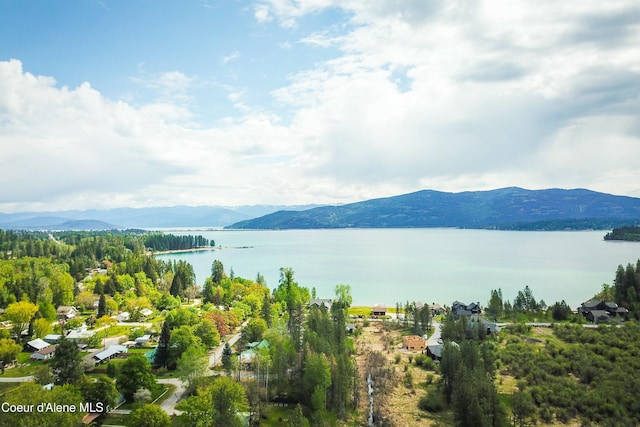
[(142, 103)]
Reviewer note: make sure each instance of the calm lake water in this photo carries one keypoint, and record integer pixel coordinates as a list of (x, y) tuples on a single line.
[(431, 265)]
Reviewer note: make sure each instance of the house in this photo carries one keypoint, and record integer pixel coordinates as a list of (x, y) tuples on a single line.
[(37, 345), (145, 312), (80, 334), (435, 351), (460, 309), (52, 338), (143, 339), (436, 309), (321, 302), (65, 312), (379, 310), (598, 311), (111, 352), (249, 355), (44, 354), (123, 317), (414, 343)]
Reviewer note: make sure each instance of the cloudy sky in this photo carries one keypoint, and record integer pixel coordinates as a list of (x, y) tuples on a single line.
[(143, 103)]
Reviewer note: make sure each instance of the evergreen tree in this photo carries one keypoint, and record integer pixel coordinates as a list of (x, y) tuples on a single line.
[(66, 363), (227, 360), (102, 306), (217, 272), (162, 351)]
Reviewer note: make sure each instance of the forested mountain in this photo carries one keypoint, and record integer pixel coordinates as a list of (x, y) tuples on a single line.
[(506, 208), (160, 217)]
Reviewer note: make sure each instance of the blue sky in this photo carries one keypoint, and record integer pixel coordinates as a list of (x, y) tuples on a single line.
[(140, 103)]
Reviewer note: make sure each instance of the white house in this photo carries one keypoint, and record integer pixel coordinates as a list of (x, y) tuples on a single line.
[(65, 312), (123, 317), (44, 354), (143, 339), (145, 312)]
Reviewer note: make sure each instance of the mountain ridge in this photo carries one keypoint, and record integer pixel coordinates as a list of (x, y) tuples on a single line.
[(503, 208), (150, 217)]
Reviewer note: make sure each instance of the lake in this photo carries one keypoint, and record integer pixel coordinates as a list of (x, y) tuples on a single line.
[(430, 265)]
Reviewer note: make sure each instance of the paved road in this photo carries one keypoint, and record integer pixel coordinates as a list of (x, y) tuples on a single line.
[(16, 379), (169, 404), (435, 337), (215, 357)]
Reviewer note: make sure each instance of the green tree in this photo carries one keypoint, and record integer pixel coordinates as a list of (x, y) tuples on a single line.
[(254, 330), (66, 363), (495, 306), (227, 358), (229, 400), (182, 338), (162, 351), (133, 374), (149, 416), (9, 351), (20, 314), (102, 306), (217, 272), (99, 391), (298, 419), (192, 366), (41, 328), (208, 333), (30, 393)]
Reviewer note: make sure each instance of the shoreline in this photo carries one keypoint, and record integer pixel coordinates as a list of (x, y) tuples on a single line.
[(181, 251), (203, 249)]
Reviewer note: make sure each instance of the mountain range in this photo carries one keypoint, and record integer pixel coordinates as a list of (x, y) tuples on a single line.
[(506, 208), (158, 217)]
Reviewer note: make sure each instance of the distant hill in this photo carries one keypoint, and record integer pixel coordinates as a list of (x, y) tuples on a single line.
[(506, 208), (161, 217)]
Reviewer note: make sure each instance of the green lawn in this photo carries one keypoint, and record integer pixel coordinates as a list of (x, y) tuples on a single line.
[(277, 415)]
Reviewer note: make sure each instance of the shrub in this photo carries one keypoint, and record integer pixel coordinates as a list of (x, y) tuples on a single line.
[(432, 402)]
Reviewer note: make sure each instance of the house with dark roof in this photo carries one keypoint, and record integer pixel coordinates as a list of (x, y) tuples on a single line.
[(598, 311), (321, 302), (460, 309)]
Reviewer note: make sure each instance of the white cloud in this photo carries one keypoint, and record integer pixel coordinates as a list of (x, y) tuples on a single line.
[(234, 56), (461, 91), (454, 96)]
